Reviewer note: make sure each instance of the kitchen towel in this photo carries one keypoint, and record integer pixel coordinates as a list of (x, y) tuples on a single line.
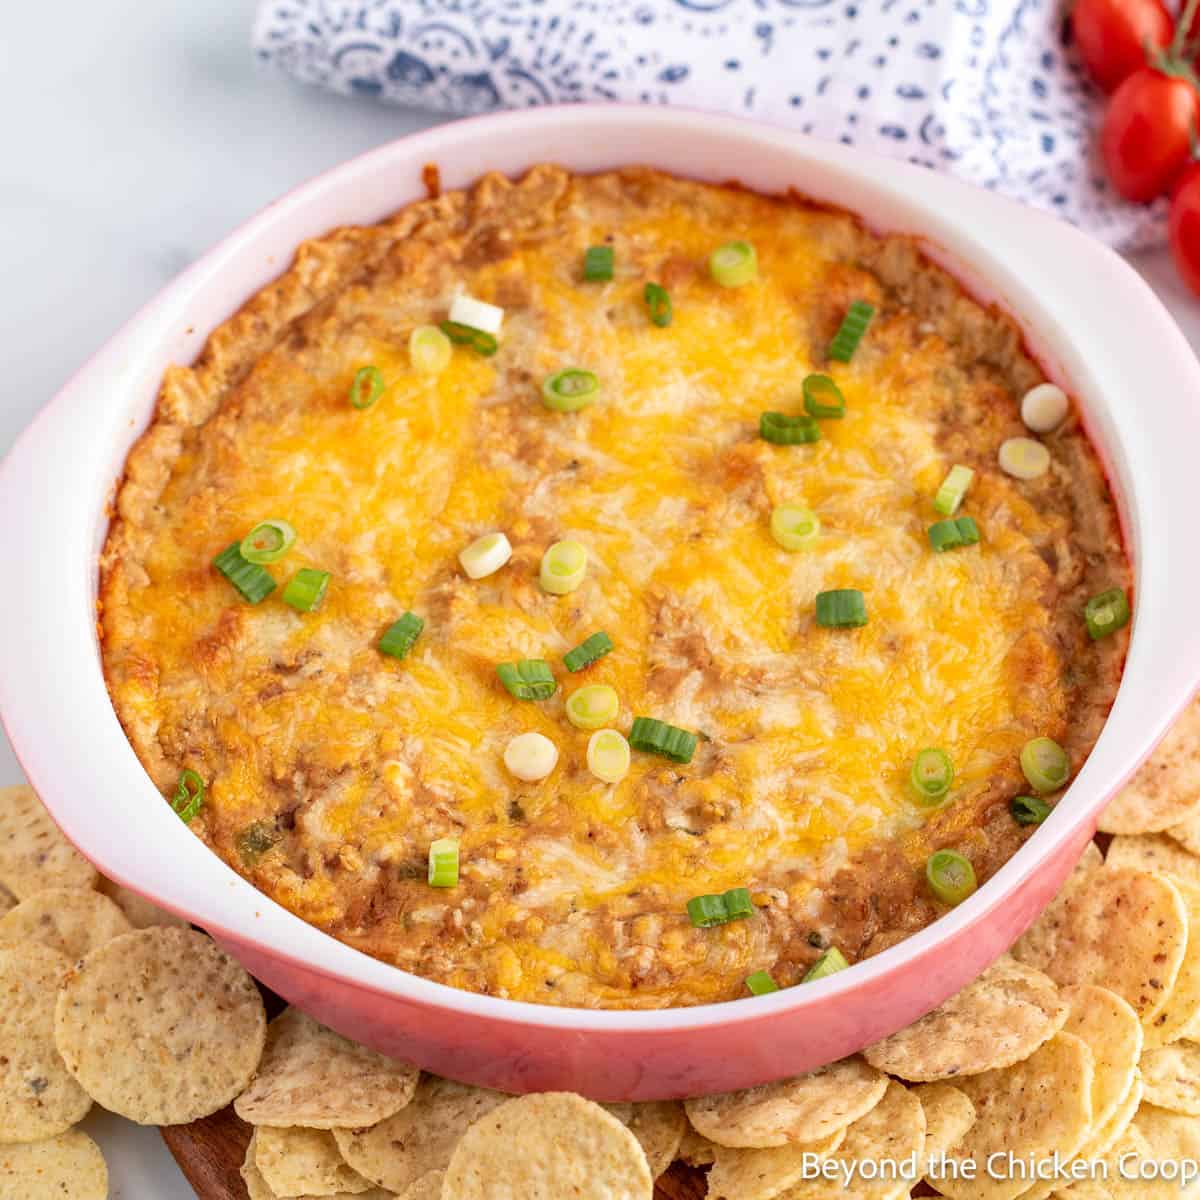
[(987, 89)]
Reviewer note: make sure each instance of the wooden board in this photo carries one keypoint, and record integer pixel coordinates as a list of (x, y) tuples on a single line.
[(210, 1152)]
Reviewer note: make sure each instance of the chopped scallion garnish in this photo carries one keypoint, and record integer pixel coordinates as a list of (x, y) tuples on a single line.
[(593, 706), (734, 905), (738, 904), (931, 775), (1106, 613), (528, 679), (476, 314), (842, 608), (268, 541), (823, 397), (443, 863), (563, 567), (588, 651), (794, 527), (253, 583), (189, 795), (570, 390), (466, 335), (598, 262), (400, 637), (658, 304), (734, 264), (850, 332), (657, 737), (1045, 764), (1029, 810), (952, 533), (832, 961), (429, 349), (306, 589), (608, 755), (951, 876), (783, 429), (954, 487), (760, 983), (485, 555), (366, 387)]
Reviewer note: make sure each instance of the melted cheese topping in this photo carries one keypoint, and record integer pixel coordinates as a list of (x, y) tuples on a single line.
[(574, 890)]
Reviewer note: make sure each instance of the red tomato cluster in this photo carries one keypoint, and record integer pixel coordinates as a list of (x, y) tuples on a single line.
[(1135, 50)]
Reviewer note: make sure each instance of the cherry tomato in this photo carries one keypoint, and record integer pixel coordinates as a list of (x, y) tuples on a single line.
[(1112, 36), (1146, 136), (1185, 227)]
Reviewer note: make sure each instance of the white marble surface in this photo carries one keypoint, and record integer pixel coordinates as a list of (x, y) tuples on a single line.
[(136, 135)]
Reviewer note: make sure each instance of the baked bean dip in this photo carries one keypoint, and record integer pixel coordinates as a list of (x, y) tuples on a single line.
[(614, 591)]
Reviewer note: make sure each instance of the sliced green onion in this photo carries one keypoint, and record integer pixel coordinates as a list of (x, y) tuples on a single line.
[(189, 795), (429, 349), (823, 397), (593, 706), (954, 487), (707, 911), (951, 877), (793, 527), (1106, 613), (563, 567), (253, 583), (1045, 764), (400, 637), (657, 737), (588, 651), (830, 963), (738, 904), (784, 430), (1029, 810), (931, 775), (760, 983), (529, 679), (306, 589), (443, 863), (608, 755), (476, 314), (1023, 458), (366, 387), (842, 608), (598, 263), (485, 555), (734, 264), (531, 756), (570, 390), (850, 332), (466, 335), (658, 302), (267, 541), (952, 533)]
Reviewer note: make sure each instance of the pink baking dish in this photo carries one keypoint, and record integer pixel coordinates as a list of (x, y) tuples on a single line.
[(1094, 322)]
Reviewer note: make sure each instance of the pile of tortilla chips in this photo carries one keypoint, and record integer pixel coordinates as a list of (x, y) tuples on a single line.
[(1082, 1044)]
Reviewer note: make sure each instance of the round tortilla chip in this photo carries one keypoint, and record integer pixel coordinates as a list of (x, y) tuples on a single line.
[(1123, 928), (696, 1150), (139, 912), (1115, 1185), (428, 1187), (73, 921), (546, 1147), (1103, 1137), (806, 1108), (1171, 1075), (949, 1113), (421, 1137), (304, 1162), (1180, 1018), (1166, 788), (314, 1077), (160, 1026), (67, 1167), (257, 1189), (658, 1125), (891, 1133), (764, 1174), (1110, 1028), (999, 1019), (1155, 852), (34, 855), (1037, 1108), (38, 1097)]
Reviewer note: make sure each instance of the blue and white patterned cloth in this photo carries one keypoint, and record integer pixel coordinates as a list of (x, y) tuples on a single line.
[(987, 89)]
